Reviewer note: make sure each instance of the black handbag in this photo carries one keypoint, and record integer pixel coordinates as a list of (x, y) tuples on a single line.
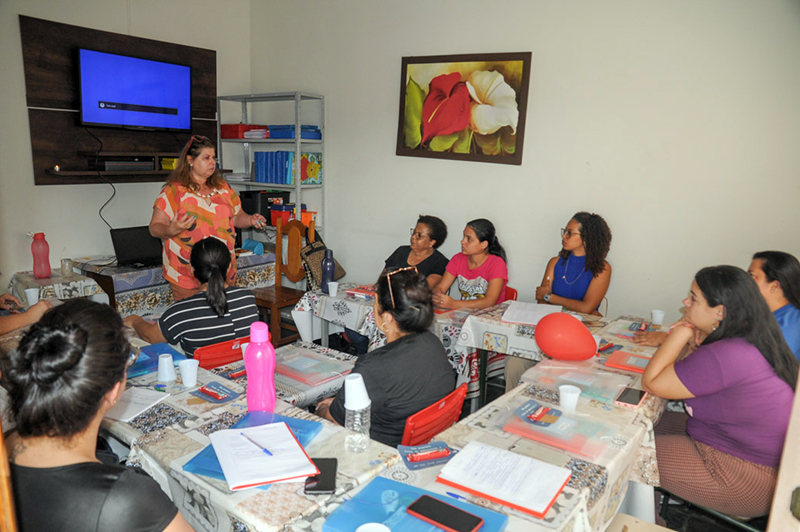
[(312, 255)]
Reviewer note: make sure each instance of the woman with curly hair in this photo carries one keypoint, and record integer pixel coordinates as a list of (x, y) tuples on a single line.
[(577, 279)]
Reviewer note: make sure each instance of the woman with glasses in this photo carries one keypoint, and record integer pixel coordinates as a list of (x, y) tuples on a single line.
[(577, 279), (196, 202), (480, 270), (426, 237), (216, 313), (728, 361), (67, 373), (411, 371)]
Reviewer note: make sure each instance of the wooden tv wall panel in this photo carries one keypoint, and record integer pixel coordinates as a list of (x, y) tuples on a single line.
[(50, 56)]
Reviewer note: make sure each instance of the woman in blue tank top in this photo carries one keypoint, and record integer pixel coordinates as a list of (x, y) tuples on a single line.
[(578, 278)]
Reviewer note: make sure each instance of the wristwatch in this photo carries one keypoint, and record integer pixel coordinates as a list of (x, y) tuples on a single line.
[(547, 298)]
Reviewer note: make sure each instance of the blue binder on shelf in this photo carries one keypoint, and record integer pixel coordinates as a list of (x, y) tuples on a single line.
[(206, 463), (385, 501), (148, 359)]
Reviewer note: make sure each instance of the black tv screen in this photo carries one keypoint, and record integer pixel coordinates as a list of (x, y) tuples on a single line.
[(122, 91)]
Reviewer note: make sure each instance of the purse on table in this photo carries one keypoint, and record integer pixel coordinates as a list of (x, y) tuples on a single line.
[(312, 255)]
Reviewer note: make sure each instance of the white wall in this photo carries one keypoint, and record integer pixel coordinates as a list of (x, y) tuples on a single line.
[(68, 214), (678, 121)]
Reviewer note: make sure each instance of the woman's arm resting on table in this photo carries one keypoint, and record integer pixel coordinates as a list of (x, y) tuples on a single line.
[(179, 524), (149, 332), (23, 319), (659, 376), (652, 338), (323, 409), (9, 302), (162, 227), (547, 281), (594, 294), (440, 297), (492, 295)]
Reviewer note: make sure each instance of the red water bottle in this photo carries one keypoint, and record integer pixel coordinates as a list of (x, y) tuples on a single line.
[(259, 362), (41, 256)]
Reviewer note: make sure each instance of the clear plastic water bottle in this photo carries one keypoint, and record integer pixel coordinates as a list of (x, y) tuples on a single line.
[(357, 412), (328, 270), (41, 256), (259, 362)]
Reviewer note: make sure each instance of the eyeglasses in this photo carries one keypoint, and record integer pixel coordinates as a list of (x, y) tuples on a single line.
[(568, 234), (389, 281), (417, 234)]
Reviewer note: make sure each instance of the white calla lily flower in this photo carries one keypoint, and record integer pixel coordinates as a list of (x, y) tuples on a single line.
[(494, 102)]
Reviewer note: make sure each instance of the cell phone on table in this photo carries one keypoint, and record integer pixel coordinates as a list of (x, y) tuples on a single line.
[(445, 516), (631, 397), (325, 482)]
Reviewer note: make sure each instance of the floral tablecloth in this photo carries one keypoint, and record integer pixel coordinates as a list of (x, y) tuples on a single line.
[(143, 291), (54, 287), (166, 436)]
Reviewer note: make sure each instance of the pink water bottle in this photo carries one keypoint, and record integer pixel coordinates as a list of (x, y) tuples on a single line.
[(259, 362), (41, 256)]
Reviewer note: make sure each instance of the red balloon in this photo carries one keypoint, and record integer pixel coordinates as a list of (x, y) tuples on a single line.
[(564, 337)]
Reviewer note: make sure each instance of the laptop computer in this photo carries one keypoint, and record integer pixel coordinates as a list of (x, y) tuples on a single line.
[(136, 247)]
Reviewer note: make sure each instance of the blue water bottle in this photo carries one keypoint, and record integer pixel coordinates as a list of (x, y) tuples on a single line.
[(328, 269)]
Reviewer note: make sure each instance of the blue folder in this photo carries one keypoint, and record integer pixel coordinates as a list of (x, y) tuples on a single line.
[(385, 501), (148, 359), (206, 463)]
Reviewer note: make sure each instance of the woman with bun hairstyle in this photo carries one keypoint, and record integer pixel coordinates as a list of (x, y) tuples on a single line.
[(411, 371), (67, 373), (216, 313), (480, 270), (727, 360)]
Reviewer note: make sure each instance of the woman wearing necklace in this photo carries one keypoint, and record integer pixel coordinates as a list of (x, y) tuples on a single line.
[(577, 279), (216, 313), (480, 270), (426, 237), (195, 203)]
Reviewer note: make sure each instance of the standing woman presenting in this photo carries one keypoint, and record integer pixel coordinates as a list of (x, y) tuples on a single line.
[(195, 203)]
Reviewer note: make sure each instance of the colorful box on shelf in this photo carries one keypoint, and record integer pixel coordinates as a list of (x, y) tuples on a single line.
[(237, 131), (284, 212), (288, 132)]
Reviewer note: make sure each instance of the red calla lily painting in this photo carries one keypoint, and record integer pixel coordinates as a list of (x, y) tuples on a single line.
[(468, 107)]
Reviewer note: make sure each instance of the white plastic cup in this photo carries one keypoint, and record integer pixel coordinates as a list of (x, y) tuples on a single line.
[(333, 288), (597, 340), (32, 296), (373, 527), (569, 397), (188, 369), (166, 368), (657, 316), (355, 392)]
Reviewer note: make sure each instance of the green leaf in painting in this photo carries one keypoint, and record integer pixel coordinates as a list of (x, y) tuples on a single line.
[(412, 129), (489, 144), (443, 142), (508, 141), (464, 141)]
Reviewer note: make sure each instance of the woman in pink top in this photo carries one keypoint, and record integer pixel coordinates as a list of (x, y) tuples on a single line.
[(738, 382), (195, 203), (480, 270)]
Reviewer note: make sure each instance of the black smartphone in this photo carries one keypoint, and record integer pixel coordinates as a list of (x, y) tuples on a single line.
[(631, 397), (445, 516), (325, 482)]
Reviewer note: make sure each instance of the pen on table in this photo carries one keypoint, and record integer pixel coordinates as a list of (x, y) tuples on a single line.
[(456, 496), (254, 442)]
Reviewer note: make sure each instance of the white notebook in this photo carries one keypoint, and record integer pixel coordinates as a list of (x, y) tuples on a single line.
[(133, 402), (246, 465), (511, 479)]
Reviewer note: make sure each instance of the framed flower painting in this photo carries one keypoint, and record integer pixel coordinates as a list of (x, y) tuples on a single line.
[(465, 107)]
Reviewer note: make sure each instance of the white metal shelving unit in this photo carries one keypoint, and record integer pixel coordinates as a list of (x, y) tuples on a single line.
[(302, 101)]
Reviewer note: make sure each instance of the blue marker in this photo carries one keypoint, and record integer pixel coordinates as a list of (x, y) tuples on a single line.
[(456, 496), (254, 442)]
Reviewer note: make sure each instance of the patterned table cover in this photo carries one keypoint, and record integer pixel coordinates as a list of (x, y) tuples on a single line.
[(166, 436), (290, 390), (357, 314), (54, 287), (143, 291)]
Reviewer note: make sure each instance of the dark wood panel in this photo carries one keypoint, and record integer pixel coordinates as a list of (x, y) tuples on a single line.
[(50, 55), (58, 139)]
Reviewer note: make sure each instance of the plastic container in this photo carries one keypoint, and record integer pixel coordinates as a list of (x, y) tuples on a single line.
[(357, 413), (328, 269), (41, 256), (259, 362)]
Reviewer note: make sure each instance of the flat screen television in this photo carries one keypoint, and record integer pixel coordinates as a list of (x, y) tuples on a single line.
[(122, 91)]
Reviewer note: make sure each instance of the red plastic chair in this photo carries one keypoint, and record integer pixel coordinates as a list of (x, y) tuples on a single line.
[(430, 421), (511, 293)]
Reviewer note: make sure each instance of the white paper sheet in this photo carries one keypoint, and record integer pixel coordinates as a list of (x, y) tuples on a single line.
[(527, 313)]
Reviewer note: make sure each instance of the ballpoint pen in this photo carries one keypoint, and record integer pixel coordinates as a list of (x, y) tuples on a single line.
[(254, 442)]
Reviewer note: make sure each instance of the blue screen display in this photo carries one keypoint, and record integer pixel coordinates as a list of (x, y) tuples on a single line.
[(124, 91)]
